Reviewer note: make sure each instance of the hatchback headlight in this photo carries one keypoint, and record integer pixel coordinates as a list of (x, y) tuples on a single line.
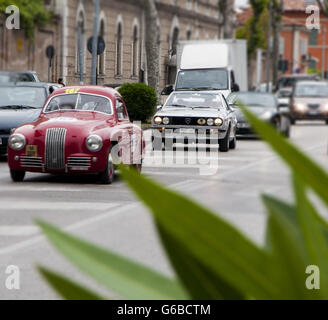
[(94, 143), (166, 120), (17, 142), (218, 122), (158, 120), (210, 122)]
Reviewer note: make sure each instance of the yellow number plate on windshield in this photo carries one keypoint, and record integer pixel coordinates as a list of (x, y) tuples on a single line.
[(31, 151)]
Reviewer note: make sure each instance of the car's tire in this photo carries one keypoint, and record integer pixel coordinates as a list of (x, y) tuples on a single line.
[(107, 177), (17, 176), (233, 143), (327, 122), (224, 144), (292, 121)]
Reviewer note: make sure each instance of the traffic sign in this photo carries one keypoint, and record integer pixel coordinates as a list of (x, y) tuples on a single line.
[(101, 45)]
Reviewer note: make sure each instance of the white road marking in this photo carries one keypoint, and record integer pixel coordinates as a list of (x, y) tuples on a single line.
[(21, 231), (58, 206)]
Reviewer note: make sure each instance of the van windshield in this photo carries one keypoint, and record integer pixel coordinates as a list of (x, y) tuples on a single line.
[(205, 79)]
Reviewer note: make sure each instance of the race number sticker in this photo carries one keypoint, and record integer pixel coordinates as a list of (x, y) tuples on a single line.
[(70, 91)]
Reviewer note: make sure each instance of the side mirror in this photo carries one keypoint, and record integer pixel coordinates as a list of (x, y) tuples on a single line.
[(159, 107), (235, 88), (167, 90)]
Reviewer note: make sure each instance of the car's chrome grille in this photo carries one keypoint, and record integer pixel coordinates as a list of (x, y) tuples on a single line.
[(31, 162), (184, 121), (55, 148), (76, 163)]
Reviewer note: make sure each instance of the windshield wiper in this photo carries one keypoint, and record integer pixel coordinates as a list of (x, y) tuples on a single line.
[(208, 88), (188, 89), (17, 107)]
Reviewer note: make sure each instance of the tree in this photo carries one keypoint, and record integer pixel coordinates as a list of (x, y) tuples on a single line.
[(152, 44), (277, 12), (323, 5), (227, 11), (255, 29)]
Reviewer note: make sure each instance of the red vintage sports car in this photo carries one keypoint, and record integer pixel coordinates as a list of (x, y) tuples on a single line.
[(80, 130)]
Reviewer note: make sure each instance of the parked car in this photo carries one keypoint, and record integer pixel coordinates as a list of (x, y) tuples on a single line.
[(309, 101), (20, 103), (195, 117), (18, 76), (80, 130), (265, 106)]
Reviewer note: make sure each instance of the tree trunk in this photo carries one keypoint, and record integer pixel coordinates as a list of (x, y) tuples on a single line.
[(227, 11), (152, 45), (276, 27)]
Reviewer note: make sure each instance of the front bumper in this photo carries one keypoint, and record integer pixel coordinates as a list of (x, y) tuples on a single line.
[(197, 133), (75, 163), (318, 115)]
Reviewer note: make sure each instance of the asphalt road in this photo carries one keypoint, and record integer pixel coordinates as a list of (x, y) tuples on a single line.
[(112, 217)]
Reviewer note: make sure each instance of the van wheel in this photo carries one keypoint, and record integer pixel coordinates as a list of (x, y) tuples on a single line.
[(17, 176), (225, 143)]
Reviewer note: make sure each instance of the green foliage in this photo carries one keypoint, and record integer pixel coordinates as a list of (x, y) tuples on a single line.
[(255, 29), (140, 100), (212, 259), (32, 13), (314, 71)]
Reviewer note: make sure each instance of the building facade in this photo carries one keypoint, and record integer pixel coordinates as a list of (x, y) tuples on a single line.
[(122, 26)]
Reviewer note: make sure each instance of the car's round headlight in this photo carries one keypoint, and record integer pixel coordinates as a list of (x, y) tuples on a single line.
[(166, 120), (201, 122), (17, 142), (300, 107), (210, 122), (218, 122), (94, 143), (158, 120)]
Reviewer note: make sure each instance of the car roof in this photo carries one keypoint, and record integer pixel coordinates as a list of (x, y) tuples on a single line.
[(311, 83)]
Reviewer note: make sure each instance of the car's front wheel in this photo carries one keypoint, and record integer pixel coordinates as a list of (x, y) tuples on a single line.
[(224, 144), (17, 176), (107, 177)]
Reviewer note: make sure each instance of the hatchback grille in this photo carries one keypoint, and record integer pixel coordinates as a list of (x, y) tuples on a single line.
[(31, 162), (183, 121), (314, 106), (79, 163), (55, 148)]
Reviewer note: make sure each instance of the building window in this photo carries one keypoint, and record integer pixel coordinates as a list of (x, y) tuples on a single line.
[(135, 49), (312, 64), (119, 48), (80, 52), (313, 37), (101, 58)]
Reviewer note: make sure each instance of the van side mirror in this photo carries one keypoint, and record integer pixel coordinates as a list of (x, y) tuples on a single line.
[(167, 90), (235, 88)]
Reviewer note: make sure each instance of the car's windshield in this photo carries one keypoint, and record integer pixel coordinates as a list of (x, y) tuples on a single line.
[(194, 100), (291, 81), (22, 96), (80, 102), (284, 93), (16, 77), (213, 79), (253, 99), (311, 90)]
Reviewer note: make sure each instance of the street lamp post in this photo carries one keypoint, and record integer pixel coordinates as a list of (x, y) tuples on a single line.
[(95, 43)]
